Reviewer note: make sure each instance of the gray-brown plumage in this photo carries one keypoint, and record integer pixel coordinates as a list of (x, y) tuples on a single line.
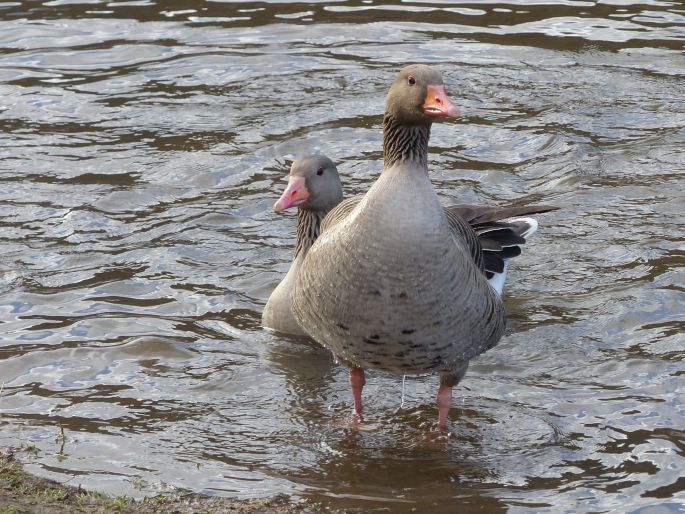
[(314, 188), (394, 281)]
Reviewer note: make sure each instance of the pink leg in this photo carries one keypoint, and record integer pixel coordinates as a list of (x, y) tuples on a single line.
[(357, 381), (444, 401)]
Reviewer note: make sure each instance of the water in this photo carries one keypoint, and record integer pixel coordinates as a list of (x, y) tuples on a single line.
[(142, 146)]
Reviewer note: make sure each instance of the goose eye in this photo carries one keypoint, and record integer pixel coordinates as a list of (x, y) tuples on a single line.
[(411, 80), (319, 172)]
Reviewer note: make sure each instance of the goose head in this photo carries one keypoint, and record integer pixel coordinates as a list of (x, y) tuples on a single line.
[(313, 184), (418, 96)]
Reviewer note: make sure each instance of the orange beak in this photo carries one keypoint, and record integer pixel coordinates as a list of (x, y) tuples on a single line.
[(295, 194), (437, 103)]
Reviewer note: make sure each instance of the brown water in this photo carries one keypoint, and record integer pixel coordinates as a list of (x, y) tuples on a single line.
[(142, 146)]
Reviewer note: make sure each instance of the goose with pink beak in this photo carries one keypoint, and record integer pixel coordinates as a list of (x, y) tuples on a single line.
[(314, 188)]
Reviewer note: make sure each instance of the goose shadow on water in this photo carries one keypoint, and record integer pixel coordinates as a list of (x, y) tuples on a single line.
[(357, 470)]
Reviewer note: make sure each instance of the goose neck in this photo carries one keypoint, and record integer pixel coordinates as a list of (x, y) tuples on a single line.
[(308, 228), (403, 143)]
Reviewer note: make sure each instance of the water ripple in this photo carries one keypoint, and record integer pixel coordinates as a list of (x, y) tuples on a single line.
[(141, 148)]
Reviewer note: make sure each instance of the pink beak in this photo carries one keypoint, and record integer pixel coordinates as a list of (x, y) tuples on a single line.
[(295, 194), (437, 103)]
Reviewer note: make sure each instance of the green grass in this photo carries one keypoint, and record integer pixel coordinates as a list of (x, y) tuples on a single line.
[(23, 493)]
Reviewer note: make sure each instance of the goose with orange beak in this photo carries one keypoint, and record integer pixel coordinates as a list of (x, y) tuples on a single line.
[(394, 281)]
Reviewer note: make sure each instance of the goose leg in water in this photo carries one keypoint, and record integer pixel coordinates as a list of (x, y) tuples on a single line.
[(444, 401), (444, 398), (357, 381)]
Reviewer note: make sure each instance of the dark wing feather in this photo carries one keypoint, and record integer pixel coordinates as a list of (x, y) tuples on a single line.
[(481, 214), (499, 238), (493, 263), (464, 231)]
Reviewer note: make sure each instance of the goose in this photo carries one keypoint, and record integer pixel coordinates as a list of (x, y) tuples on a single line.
[(314, 188), (395, 281)]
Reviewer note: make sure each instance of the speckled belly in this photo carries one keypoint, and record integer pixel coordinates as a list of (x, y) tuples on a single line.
[(408, 311)]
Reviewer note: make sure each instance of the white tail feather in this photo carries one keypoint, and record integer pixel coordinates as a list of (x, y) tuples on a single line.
[(532, 225), (498, 279)]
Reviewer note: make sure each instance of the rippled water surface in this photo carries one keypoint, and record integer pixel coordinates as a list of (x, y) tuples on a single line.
[(142, 145)]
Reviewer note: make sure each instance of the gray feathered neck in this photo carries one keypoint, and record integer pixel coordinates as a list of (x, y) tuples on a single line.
[(402, 142), (308, 228)]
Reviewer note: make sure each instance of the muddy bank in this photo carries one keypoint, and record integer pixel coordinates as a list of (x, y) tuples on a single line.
[(22, 492)]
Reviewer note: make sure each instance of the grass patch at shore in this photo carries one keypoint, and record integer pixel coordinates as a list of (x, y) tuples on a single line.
[(24, 493)]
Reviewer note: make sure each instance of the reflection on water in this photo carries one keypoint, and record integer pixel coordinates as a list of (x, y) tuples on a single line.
[(142, 146)]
